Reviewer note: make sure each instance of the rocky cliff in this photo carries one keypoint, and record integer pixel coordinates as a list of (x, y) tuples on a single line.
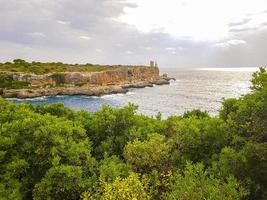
[(89, 83), (92, 78)]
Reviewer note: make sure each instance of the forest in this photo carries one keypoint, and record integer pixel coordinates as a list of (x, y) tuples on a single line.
[(51, 152)]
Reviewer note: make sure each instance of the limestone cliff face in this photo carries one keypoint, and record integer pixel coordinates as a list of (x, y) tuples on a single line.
[(113, 77), (33, 79), (92, 84), (108, 77)]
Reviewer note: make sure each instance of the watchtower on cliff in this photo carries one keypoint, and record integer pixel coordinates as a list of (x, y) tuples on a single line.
[(153, 63)]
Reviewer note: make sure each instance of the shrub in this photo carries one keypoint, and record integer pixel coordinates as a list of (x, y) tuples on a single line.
[(59, 78), (8, 83)]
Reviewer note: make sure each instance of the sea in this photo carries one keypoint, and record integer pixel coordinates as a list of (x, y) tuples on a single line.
[(199, 88)]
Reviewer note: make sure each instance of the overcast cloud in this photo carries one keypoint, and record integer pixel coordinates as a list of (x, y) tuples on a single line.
[(177, 33)]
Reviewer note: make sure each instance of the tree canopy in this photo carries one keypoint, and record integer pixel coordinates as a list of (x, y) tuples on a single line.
[(52, 152)]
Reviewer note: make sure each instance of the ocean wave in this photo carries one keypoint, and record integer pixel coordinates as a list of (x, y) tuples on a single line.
[(174, 83), (112, 96), (13, 99), (61, 96), (90, 97), (36, 98), (130, 93), (27, 99), (108, 96)]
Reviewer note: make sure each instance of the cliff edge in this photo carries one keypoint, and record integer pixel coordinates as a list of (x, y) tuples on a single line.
[(96, 83)]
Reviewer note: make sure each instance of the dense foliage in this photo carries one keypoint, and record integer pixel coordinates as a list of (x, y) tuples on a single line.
[(52, 152), (7, 82), (19, 65), (59, 78)]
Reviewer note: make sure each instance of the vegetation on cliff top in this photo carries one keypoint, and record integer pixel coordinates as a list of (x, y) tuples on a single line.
[(19, 65), (53, 152), (7, 82)]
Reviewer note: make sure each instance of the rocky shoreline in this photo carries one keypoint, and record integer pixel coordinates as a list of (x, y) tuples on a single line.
[(83, 90), (79, 83)]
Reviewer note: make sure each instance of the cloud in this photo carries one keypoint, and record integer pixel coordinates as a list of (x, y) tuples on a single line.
[(146, 48), (129, 52), (229, 43), (37, 34), (241, 22), (170, 48), (192, 20), (242, 29), (63, 22), (103, 31), (85, 37), (254, 23)]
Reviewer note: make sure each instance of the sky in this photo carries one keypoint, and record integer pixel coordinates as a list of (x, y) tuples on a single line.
[(176, 33)]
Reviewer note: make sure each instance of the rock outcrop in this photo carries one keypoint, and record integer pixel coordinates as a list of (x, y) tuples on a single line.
[(90, 83), (90, 91)]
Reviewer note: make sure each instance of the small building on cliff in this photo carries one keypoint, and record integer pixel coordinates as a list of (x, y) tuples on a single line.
[(153, 63)]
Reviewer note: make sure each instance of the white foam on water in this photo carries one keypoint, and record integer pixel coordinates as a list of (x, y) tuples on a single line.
[(61, 96), (130, 93), (14, 99), (173, 82), (108, 96), (28, 99), (37, 98), (91, 97), (191, 89)]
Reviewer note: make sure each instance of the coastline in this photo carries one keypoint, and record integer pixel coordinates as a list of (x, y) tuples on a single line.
[(24, 85), (87, 90)]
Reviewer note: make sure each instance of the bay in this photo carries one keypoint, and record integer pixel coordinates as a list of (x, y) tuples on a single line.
[(202, 88)]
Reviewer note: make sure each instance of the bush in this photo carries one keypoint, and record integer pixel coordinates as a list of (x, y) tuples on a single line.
[(130, 188), (7, 82), (196, 183), (53, 152), (59, 78)]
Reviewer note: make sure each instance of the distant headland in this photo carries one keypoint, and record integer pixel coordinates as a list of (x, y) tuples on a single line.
[(22, 79)]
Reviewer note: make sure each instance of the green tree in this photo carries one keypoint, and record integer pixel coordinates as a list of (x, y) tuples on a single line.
[(196, 113), (59, 78), (7, 82), (198, 139), (130, 188), (31, 144), (109, 128), (150, 154), (61, 182), (247, 116), (113, 167), (196, 183)]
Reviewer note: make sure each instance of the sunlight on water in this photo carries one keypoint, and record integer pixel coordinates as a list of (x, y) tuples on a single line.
[(235, 69), (201, 89)]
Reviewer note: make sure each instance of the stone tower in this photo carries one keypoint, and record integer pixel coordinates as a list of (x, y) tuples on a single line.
[(152, 63)]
